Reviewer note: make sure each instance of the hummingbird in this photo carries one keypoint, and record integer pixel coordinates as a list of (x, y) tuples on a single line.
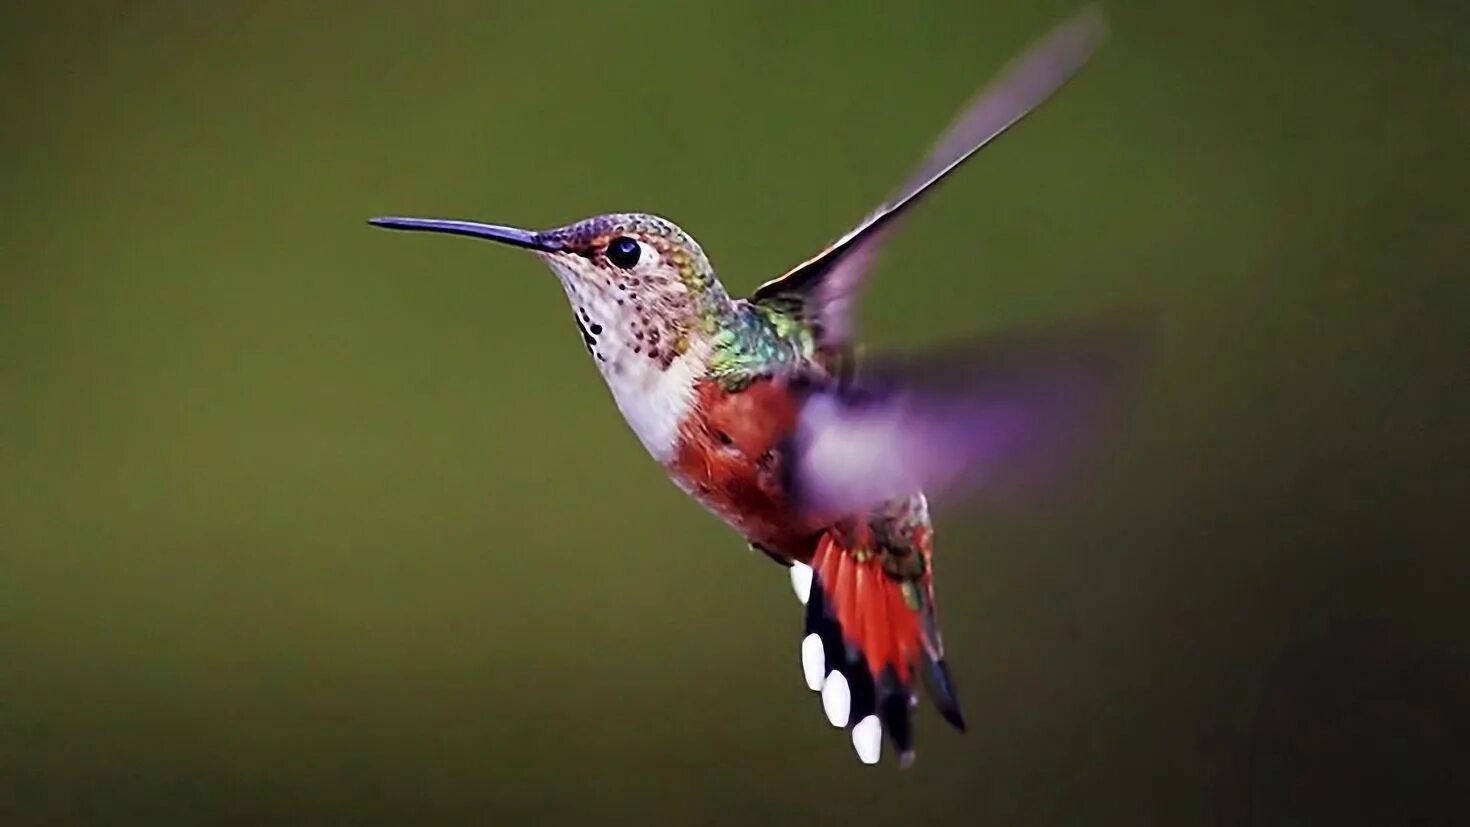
[(761, 410)]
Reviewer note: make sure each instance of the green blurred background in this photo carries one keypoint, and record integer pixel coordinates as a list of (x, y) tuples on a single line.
[(306, 523)]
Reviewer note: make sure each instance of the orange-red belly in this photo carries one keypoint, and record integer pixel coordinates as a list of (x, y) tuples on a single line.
[(730, 457)]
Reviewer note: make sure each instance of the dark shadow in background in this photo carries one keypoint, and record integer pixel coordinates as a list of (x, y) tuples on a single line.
[(1362, 726)]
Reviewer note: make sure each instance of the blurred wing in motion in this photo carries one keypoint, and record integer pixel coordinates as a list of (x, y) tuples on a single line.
[(828, 281), (1010, 412)]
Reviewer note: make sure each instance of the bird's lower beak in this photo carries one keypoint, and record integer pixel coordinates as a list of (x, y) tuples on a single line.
[(513, 236)]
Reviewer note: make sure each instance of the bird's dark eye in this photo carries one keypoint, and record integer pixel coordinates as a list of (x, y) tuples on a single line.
[(624, 252)]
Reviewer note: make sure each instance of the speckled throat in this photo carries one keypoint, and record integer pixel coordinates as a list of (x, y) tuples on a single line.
[(650, 326)]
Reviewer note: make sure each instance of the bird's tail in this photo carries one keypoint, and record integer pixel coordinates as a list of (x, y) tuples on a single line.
[(870, 627)]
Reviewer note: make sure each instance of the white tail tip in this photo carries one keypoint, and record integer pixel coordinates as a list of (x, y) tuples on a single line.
[(801, 581), (813, 661), (836, 699), (867, 739)]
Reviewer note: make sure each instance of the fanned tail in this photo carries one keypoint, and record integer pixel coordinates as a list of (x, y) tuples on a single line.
[(870, 625)]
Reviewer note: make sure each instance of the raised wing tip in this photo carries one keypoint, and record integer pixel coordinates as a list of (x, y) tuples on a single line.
[(1024, 84), (1089, 21)]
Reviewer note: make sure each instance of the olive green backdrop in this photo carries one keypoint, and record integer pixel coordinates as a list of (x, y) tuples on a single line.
[(307, 523)]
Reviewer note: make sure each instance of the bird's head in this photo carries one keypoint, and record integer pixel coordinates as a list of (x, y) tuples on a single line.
[(636, 278)]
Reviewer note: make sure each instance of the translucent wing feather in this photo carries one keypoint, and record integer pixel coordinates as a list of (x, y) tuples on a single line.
[(829, 280), (1006, 413)]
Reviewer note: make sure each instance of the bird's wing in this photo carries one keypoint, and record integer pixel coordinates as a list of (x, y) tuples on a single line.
[(827, 282), (1005, 414)]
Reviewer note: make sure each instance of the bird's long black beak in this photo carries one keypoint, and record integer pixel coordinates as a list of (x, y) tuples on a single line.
[(513, 236)]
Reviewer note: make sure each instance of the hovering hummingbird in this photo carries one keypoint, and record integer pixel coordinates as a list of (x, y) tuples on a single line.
[(759, 409)]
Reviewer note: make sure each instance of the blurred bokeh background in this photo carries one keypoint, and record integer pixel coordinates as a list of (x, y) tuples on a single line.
[(302, 522)]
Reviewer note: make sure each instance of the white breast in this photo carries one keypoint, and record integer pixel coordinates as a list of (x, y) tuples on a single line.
[(653, 399)]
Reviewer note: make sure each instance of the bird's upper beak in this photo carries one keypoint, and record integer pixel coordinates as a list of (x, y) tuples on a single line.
[(514, 236)]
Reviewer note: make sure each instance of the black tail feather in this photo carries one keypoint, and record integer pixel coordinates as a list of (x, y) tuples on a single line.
[(941, 689)]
